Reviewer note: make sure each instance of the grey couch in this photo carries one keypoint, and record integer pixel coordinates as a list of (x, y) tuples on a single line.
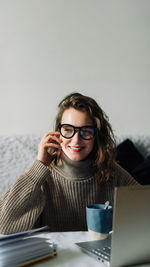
[(18, 152)]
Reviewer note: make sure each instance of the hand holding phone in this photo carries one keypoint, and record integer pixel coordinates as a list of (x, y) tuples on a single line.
[(48, 147)]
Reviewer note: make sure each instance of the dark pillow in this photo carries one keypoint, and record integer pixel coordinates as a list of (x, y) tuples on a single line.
[(128, 156), (142, 172)]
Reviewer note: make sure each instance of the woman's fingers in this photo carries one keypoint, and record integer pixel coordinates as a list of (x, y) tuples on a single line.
[(52, 145), (52, 134), (49, 142), (51, 138)]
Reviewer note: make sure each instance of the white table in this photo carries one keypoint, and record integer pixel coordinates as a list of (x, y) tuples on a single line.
[(68, 254)]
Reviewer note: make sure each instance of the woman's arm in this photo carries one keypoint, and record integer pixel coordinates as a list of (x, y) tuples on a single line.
[(23, 203)]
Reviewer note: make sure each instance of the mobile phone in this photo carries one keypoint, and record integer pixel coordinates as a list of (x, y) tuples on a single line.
[(56, 151)]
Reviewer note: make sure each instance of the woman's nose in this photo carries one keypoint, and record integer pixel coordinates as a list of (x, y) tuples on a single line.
[(76, 136)]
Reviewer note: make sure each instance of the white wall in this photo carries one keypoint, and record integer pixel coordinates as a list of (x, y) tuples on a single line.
[(49, 48)]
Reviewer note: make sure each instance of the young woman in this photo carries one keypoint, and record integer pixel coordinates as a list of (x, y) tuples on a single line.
[(75, 167)]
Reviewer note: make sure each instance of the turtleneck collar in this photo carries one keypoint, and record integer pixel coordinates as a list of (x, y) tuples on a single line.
[(75, 169)]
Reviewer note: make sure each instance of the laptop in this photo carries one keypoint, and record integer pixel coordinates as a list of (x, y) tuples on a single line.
[(129, 244)]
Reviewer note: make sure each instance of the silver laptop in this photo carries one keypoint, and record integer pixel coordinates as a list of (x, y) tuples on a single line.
[(129, 244)]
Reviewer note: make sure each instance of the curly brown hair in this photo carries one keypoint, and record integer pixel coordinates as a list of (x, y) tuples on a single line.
[(104, 151)]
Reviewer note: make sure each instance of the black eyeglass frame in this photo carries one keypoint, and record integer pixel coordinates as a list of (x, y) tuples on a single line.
[(77, 129)]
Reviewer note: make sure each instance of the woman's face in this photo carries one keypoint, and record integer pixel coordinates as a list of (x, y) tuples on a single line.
[(76, 148)]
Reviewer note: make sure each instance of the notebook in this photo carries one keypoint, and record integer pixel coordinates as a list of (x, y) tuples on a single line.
[(129, 244), (25, 248)]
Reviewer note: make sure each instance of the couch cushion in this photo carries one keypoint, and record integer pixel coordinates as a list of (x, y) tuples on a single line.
[(128, 155), (142, 172)]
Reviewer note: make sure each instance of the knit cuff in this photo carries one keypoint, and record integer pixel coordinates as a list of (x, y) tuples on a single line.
[(38, 172)]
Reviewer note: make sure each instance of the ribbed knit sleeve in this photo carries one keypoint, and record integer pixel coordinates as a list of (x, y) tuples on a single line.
[(23, 203)]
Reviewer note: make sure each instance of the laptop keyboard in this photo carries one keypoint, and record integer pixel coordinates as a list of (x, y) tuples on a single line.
[(103, 252)]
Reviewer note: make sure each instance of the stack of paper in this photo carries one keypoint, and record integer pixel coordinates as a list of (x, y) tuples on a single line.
[(24, 248)]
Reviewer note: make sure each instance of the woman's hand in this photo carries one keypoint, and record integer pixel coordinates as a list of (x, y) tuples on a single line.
[(48, 142)]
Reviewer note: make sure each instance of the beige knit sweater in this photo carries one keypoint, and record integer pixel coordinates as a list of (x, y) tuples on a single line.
[(56, 196)]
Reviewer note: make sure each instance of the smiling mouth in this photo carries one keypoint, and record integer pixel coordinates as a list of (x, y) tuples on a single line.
[(76, 148)]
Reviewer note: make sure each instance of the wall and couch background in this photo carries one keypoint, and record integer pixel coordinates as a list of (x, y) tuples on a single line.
[(50, 48)]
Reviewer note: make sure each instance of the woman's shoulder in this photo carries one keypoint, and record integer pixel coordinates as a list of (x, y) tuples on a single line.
[(118, 169), (121, 176)]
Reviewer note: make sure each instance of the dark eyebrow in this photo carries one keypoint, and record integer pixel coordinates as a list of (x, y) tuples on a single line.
[(86, 126)]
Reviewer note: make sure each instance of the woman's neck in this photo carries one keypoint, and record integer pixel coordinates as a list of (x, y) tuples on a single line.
[(75, 169)]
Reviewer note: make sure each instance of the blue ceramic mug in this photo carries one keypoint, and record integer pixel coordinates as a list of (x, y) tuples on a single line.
[(99, 220)]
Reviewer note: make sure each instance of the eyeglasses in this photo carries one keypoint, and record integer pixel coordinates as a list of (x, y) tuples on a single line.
[(85, 132)]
